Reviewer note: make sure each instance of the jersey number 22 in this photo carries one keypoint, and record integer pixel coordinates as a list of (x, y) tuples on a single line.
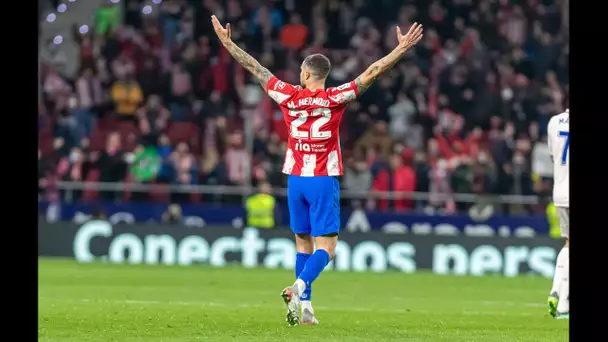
[(320, 116)]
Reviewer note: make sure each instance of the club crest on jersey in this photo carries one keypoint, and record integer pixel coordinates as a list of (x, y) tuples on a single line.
[(344, 86), (337, 98), (279, 85)]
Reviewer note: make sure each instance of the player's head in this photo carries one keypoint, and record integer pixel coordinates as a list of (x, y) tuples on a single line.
[(315, 68)]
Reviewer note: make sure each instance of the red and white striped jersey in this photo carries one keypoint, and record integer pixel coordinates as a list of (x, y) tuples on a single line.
[(313, 121)]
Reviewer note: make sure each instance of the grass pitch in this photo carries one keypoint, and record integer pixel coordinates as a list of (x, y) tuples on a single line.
[(104, 302)]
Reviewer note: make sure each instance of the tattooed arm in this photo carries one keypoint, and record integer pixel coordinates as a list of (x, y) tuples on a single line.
[(244, 59), (249, 63), (374, 71)]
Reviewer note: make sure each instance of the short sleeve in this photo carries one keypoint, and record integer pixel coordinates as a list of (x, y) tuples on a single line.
[(344, 93), (280, 91), (550, 136)]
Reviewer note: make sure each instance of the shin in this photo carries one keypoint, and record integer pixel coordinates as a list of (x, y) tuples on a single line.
[(324, 253), (304, 249)]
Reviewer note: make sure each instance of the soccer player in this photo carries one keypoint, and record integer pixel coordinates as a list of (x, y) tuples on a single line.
[(313, 159), (559, 146)]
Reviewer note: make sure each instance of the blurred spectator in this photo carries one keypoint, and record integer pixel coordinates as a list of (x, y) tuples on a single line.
[(123, 67), (151, 77), (440, 189), (462, 179), (153, 119), (213, 171), (399, 178), (42, 172), (484, 174), (54, 56), (170, 14), (98, 214), (56, 90), (401, 116), (212, 168), (181, 90), (144, 167), (107, 18), (237, 160), (165, 152), (358, 179), (89, 93), (127, 96), (65, 122), (294, 34), (216, 106), (112, 164), (377, 139), (185, 171), (422, 170), (89, 50), (261, 208), (173, 214), (73, 168), (265, 21)]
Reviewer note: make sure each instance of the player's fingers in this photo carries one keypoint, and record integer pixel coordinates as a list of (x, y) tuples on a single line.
[(398, 31), (416, 35), (413, 28), (229, 30), (215, 22)]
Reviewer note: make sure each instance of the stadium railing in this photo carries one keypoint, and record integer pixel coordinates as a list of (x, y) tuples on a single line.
[(282, 192)]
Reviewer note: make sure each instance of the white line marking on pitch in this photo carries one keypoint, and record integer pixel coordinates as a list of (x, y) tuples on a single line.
[(326, 308), (505, 303)]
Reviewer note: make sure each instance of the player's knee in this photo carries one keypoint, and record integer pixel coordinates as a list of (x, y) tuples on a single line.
[(329, 250), (567, 242), (304, 236), (304, 243), (327, 243), (330, 235)]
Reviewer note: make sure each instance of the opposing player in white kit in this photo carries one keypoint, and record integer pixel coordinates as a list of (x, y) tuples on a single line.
[(559, 146)]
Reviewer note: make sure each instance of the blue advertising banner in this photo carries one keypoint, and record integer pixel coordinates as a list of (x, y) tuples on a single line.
[(200, 215)]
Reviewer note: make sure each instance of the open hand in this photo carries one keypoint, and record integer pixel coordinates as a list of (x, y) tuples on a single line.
[(224, 34), (409, 39)]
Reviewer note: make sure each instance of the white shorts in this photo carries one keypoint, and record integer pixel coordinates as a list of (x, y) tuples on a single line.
[(564, 221)]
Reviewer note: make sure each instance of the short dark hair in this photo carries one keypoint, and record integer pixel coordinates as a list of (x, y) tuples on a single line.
[(318, 64), (98, 214)]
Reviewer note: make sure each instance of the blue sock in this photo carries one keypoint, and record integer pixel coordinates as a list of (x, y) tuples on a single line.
[(314, 266), (301, 259)]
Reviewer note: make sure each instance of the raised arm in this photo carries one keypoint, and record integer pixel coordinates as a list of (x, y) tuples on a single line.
[(242, 57), (406, 41)]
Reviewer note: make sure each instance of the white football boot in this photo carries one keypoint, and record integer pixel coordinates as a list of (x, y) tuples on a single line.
[(308, 317), (292, 301)]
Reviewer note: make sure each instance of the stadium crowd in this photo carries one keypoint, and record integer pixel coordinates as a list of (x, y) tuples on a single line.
[(156, 101)]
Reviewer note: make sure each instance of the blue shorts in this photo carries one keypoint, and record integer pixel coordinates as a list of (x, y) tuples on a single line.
[(314, 205)]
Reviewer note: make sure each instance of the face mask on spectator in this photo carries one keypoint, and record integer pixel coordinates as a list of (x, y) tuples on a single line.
[(483, 158), (73, 102), (74, 157), (129, 158)]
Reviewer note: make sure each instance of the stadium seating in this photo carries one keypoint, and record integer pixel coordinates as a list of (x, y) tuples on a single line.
[(423, 95)]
